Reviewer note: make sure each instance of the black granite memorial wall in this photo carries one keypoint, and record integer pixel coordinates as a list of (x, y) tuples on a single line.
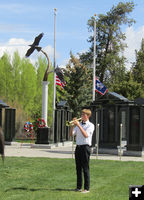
[(135, 140), (109, 112), (112, 110), (9, 131), (62, 114)]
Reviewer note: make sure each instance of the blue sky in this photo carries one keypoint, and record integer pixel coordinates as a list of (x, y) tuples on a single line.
[(21, 21)]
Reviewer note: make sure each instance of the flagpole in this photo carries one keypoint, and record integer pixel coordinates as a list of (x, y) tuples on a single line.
[(54, 74), (94, 59)]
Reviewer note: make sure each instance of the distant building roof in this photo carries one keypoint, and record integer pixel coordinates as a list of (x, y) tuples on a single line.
[(62, 104), (139, 101), (111, 97), (2, 104), (118, 97)]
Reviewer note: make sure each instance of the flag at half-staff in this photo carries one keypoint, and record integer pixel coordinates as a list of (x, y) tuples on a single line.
[(60, 78), (100, 87)]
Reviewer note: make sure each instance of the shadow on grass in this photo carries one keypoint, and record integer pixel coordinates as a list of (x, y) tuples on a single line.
[(37, 189), (62, 189)]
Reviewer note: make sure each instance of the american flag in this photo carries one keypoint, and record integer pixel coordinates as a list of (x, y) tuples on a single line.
[(60, 83), (60, 78)]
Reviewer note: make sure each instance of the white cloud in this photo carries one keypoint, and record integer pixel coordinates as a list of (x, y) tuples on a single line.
[(49, 50), (13, 45), (64, 63), (133, 41), (21, 45)]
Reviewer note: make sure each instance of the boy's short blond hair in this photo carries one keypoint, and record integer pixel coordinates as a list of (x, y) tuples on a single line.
[(87, 112)]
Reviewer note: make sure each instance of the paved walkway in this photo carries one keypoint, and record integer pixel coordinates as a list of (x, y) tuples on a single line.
[(32, 150)]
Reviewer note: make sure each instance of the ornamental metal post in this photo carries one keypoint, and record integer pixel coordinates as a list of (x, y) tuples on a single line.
[(97, 140), (72, 146), (121, 126)]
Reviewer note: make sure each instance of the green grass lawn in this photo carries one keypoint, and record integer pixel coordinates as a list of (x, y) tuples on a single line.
[(55, 179)]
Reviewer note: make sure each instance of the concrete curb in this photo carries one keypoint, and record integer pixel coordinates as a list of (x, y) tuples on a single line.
[(61, 150), (40, 146)]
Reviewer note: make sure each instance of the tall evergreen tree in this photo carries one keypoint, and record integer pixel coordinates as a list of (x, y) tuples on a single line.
[(78, 90), (128, 87), (138, 66), (109, 41)]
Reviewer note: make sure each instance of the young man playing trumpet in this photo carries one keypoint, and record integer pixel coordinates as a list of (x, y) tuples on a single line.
[(83, 132)]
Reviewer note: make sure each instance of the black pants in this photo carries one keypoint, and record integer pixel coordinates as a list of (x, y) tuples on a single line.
[(82, 156)]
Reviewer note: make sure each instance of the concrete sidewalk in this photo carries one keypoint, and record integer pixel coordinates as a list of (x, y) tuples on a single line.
[(56, 151)]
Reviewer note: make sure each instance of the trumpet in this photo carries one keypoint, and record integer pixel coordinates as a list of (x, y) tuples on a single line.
[(71, 123)]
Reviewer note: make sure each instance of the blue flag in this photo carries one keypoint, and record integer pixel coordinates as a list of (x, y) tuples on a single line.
[(100, 87)]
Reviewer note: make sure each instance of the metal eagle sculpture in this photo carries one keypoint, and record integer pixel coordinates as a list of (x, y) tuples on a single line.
[(34, 45), (1, 144)]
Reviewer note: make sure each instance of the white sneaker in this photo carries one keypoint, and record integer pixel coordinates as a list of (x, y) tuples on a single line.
[(85, 191)]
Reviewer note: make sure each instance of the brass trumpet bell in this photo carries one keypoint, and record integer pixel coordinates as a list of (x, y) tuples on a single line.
[(71, 123)]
